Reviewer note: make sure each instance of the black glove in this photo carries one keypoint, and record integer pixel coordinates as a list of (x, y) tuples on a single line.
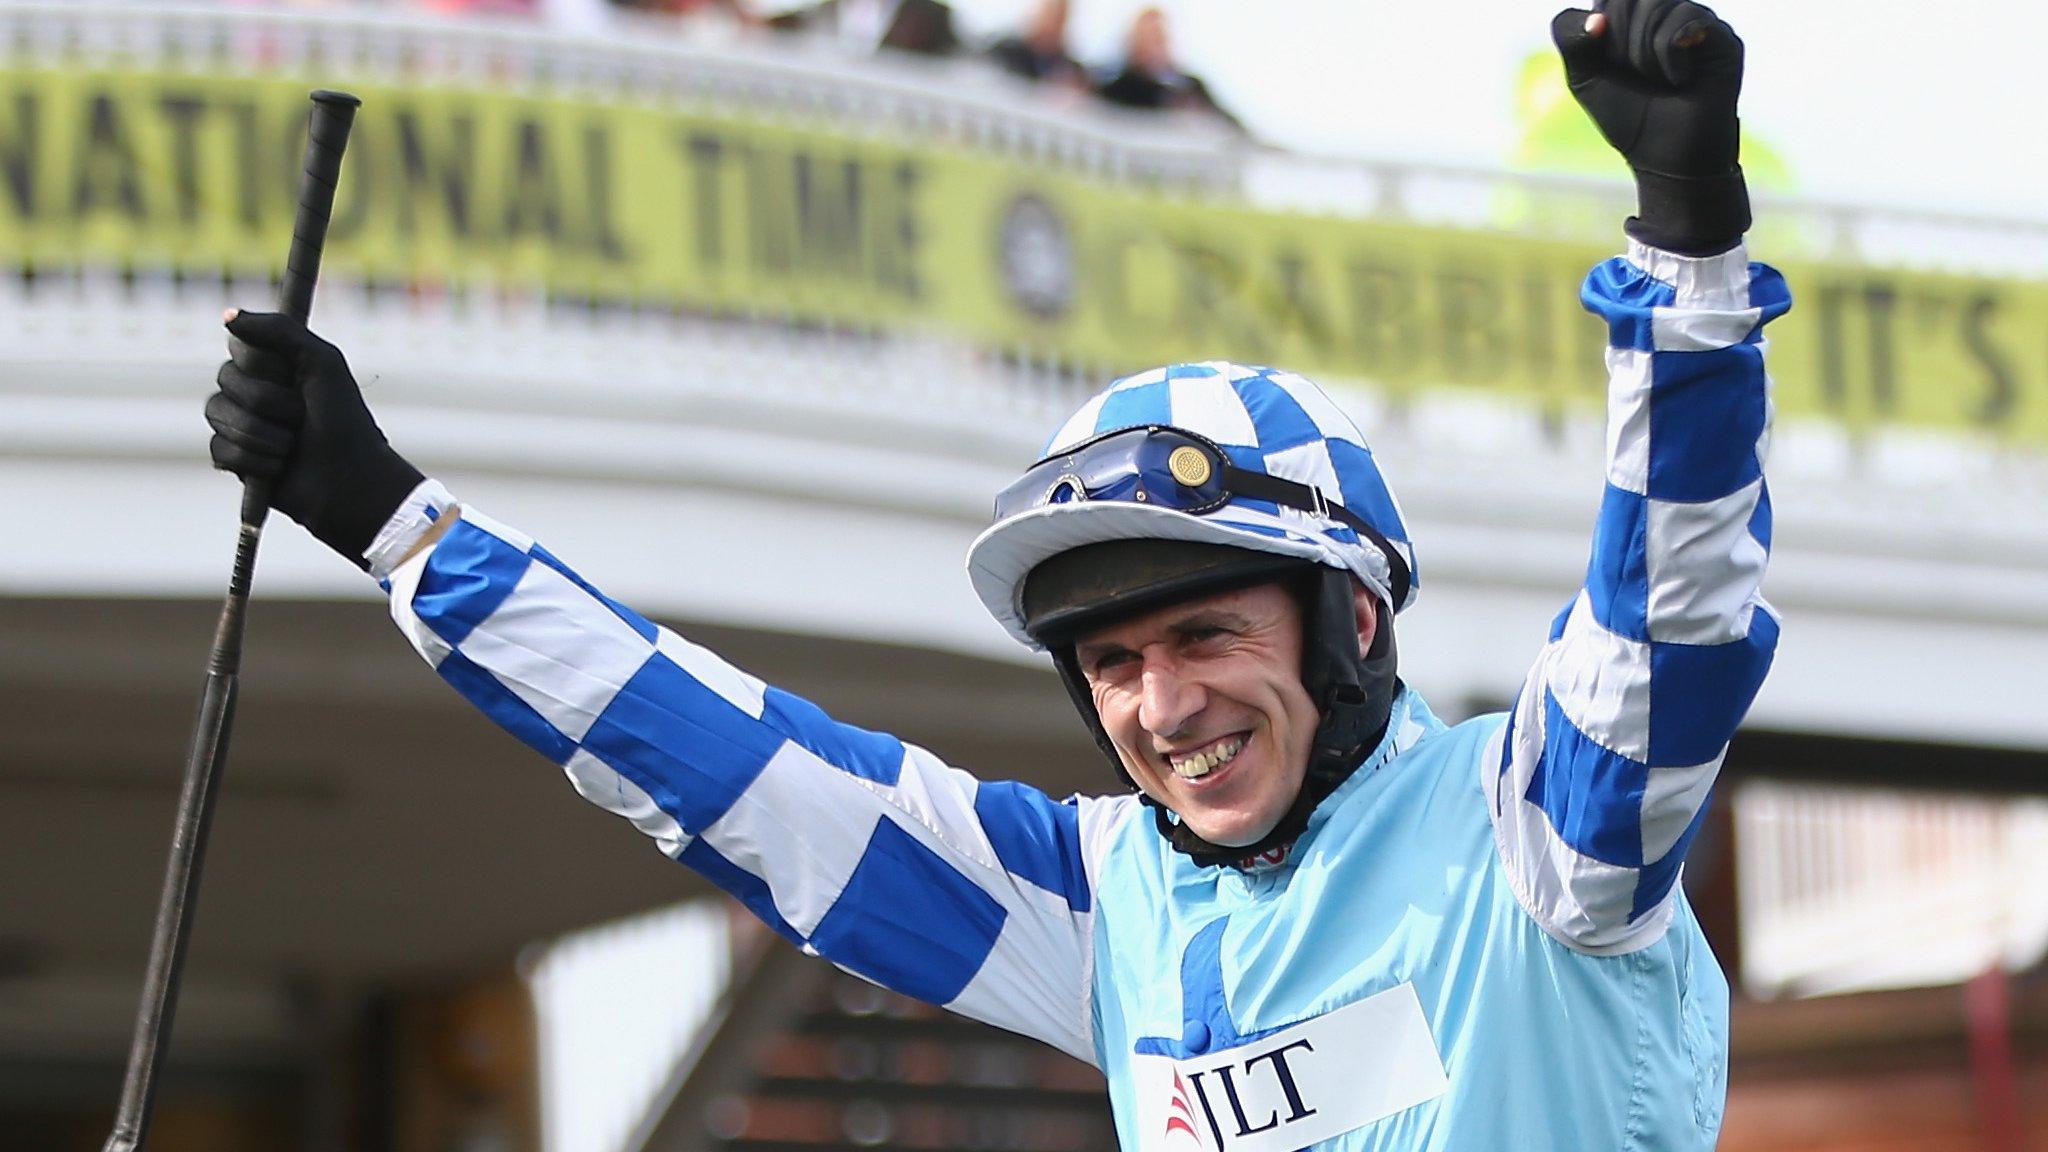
[(1660, 81), (288, 411)]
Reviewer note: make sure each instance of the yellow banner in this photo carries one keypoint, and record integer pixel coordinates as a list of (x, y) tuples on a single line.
[(731, 215)]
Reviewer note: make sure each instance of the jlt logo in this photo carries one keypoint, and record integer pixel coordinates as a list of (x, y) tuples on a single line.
[(1295, 1087), (1248, 1088)]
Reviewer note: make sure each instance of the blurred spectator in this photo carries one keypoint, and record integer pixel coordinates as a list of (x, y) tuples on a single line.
[(921, 26), (1040, 51), (473, 7), (734, 9), (1150, 78)]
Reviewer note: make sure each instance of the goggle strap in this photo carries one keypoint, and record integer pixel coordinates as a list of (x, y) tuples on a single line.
[(1309, 498)]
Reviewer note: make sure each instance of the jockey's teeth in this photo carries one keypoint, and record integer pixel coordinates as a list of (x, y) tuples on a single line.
[(1195, 767)]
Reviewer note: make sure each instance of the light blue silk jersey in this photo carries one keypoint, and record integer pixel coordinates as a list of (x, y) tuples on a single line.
[(1398, 880)]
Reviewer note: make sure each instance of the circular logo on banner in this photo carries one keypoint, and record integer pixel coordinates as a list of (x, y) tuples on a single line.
[(1036, 256)]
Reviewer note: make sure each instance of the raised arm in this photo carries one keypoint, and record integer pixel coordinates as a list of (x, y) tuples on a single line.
[(1606, 764), (1613, 746), (853, 845)]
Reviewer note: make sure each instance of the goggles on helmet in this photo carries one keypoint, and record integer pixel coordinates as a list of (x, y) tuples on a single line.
[(1169, 468)]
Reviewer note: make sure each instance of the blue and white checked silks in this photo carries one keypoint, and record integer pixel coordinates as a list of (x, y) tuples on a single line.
[(1614, 743), (1510, 879), (850, 843), (1265, 421)]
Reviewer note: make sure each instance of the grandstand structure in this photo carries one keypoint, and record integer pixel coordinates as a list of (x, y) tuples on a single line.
[(774, 423)]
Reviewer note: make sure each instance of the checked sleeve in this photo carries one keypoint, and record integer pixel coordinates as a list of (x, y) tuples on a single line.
[(1605, 765), (851, 844)]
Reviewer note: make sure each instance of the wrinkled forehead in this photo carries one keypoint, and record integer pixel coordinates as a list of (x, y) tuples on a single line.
[(1260, 607)]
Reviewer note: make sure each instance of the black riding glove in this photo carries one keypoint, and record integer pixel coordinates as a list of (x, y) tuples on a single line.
[(1660, 82), (288, 411)]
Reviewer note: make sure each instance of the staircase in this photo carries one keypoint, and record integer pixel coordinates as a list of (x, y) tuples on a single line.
[(808, 1059)]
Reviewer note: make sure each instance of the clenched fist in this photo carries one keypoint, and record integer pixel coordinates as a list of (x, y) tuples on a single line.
[(1660, 79)]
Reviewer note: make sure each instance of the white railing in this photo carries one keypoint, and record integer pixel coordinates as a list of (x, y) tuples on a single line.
[(959, 101), (1586, 209), (645, 62), (1844, 889)]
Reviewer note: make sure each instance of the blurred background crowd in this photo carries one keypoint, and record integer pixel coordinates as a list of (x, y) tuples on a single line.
[(1145, 75)]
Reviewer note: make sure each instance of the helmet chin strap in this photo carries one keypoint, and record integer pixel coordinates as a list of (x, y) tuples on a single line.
[(1353, 695)]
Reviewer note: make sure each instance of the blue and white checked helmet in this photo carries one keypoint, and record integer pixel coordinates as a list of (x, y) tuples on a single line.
[(1278, 434)]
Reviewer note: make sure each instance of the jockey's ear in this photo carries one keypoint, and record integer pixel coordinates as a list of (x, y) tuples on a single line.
[(1367, 607)]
